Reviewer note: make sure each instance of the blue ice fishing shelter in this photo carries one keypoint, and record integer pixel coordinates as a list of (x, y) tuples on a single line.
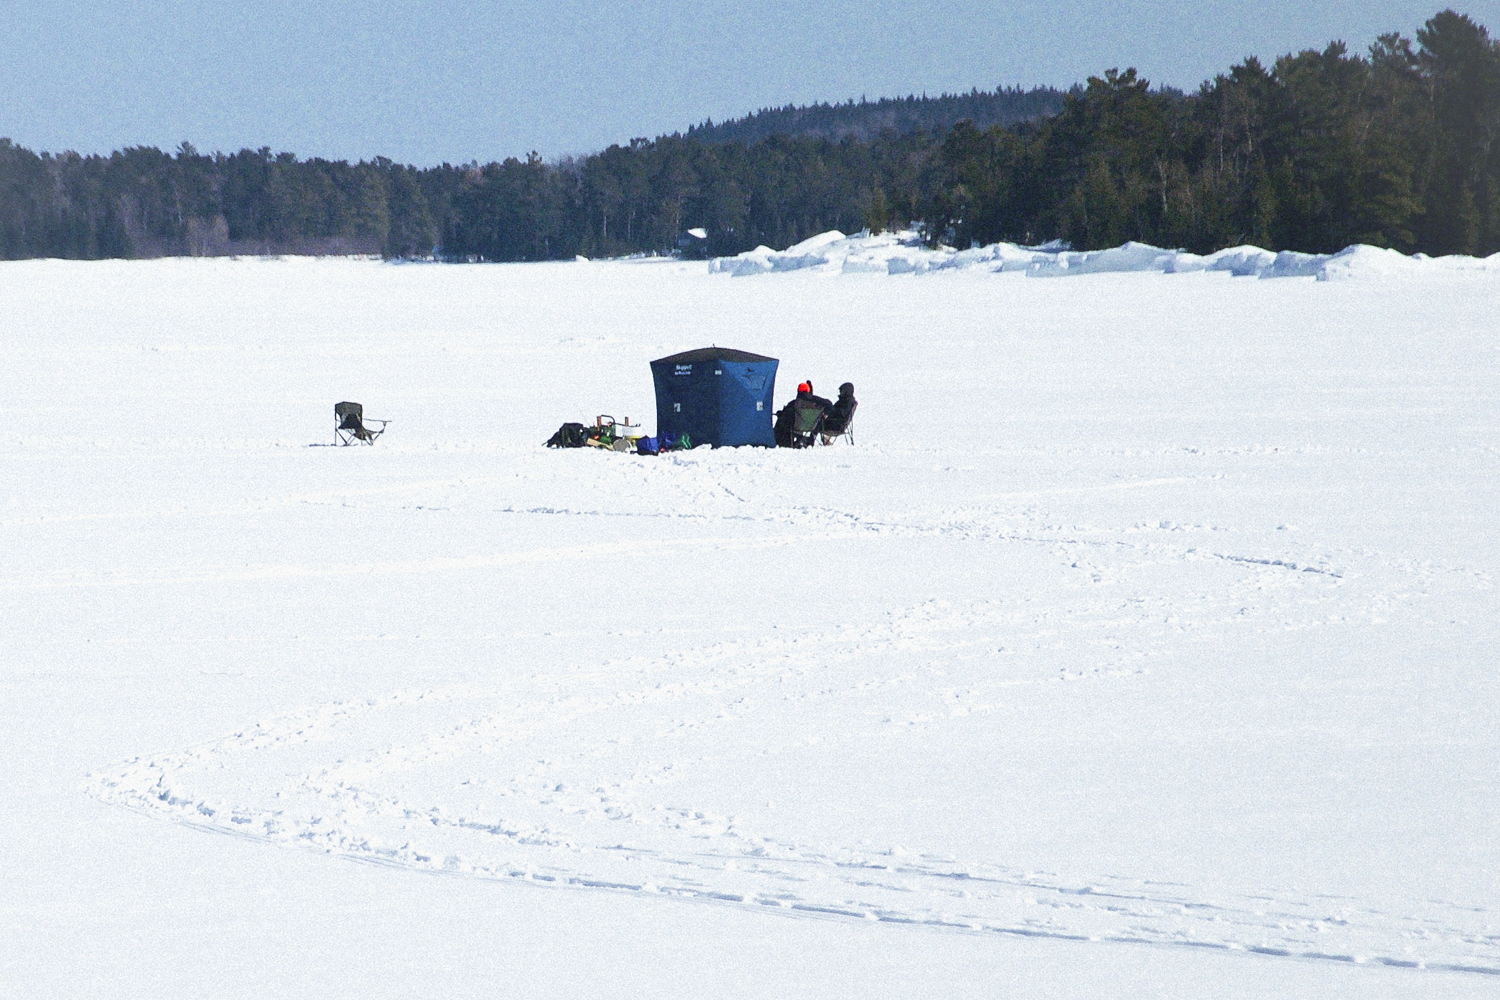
[(715, 396)]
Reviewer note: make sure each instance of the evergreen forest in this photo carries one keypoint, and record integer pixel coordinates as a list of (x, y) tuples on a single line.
[(1396, 147), (867, 119)]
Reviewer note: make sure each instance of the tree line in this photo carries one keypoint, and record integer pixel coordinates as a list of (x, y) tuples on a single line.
[(866, 119), (1396, 147)]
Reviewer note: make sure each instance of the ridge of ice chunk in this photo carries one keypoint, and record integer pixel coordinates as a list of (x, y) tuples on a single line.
[(905, 252)]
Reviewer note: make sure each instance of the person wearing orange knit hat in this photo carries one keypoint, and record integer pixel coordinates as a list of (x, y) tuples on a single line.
[(805, 391)]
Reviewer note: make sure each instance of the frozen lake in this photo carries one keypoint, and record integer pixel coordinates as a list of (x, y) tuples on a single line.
[(1144, 643)]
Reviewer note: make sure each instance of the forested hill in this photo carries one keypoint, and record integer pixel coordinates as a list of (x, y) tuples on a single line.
[(865, 120)]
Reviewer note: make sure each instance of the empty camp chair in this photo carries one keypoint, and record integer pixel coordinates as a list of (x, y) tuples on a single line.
[(350, 425), (807, 422)]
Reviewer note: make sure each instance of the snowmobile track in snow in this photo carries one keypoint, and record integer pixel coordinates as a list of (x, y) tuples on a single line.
[(516, 784)]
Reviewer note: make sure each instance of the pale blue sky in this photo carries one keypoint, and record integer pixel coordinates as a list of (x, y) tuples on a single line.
[(424, 81)]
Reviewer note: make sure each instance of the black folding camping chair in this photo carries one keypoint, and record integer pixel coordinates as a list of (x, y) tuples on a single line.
[(832, 432), (350, 424)]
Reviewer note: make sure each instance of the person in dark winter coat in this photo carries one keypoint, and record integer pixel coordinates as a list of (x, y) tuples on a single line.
[(837, 418)]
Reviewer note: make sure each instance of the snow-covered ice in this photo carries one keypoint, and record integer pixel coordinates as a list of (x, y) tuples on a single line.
[(1144, 643)]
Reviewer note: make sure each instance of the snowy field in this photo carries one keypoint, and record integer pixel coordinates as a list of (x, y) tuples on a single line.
[(1144, 644)]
